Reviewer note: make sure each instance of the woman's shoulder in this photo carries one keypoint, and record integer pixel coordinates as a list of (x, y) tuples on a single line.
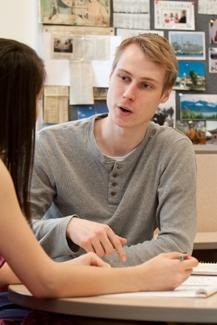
[(4, 173), (6, 183)]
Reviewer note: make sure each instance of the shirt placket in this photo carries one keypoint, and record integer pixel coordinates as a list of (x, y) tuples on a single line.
[(114, 185)]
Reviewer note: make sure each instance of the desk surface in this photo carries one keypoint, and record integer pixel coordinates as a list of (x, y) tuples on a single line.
[(205, 240), (195, 310)]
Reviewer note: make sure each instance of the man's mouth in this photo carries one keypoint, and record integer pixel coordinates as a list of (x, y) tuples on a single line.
[(124, 109)]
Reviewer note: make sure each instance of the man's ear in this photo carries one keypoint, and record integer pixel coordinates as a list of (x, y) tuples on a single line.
[(165, 95)]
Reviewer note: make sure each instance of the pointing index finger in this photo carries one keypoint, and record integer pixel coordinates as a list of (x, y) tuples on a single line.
[(116, 242)]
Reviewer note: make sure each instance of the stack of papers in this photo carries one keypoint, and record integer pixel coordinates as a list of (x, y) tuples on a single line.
[(206, 269)]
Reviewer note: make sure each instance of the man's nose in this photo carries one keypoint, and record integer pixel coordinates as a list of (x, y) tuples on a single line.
[(130, 92)]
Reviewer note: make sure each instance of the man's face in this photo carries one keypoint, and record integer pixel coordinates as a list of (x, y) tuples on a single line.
[(135, 89)]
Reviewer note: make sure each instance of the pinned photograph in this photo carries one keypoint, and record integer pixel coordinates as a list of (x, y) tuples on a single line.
[(213, 60), (211, 132), (165, 114), (62, 46), (198, 107), (174, 15), (213, 31), (76, 13), (191, 76), (194, 130), (85, 111), (188, 45)]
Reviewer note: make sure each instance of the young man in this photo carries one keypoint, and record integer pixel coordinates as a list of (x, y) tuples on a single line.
[(107, 182)]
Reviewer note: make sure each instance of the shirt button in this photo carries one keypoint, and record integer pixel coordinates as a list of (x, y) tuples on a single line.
[(114, 184), (115, 175), (118, 166), (113, 193)]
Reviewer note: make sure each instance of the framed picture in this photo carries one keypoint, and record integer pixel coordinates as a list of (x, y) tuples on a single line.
[(174, 15), (75, 13), (198, 107), (188, 45), (191, 76)]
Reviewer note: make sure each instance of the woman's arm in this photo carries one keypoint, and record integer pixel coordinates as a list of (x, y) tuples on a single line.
[(46, 278), (7, 276)]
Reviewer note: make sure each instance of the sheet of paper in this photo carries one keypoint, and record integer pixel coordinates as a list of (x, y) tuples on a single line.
[(125, 32), (81, 83), (127, 6), (138, 21), (205, 269), (207, 7), (55, 104), (91, 48), (101, 73), (58, 70)]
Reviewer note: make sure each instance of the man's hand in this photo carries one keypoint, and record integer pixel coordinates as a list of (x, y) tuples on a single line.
[(95, 237)]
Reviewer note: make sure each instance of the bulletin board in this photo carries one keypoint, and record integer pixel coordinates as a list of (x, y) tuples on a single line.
[(138, 16)]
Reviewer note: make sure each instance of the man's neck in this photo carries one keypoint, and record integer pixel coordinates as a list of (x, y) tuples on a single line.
[(115, 141)]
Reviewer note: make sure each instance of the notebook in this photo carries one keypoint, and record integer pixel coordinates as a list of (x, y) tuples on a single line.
[(205, 269)]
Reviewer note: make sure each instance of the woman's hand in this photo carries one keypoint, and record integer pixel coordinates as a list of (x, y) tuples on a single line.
[(90, 259), (167, 270)]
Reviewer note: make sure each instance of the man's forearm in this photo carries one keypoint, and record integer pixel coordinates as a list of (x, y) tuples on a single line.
[(51, 234), (140, 253)]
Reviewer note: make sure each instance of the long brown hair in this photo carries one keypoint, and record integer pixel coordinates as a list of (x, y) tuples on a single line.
[(21, 79)]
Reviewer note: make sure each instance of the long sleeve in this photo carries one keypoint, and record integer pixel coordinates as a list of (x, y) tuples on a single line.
[(49, 225)]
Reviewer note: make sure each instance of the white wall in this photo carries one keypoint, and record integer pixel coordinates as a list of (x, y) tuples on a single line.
[(19, 20)]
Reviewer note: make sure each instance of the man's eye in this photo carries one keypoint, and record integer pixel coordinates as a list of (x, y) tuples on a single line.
[(146, 86), (124, 78)]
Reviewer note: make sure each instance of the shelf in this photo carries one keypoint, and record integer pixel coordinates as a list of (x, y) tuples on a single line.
[(205, 148)]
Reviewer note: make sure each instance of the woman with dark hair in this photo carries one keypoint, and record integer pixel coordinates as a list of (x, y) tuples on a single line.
[(21, 81)]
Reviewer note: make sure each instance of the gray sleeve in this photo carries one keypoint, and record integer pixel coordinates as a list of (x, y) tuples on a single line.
[(176, 210), (51, 232), (51, 235)]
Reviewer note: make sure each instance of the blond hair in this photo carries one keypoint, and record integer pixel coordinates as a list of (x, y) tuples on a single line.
[(157, 49)]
